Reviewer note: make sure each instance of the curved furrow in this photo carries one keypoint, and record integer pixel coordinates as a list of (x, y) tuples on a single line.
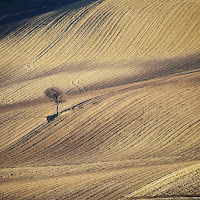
[(163, 137), (39, 40), (94, 132), (150, 130), (35, 27), (160, 190), (135, 41), (98, 35), (71, 38), (62, 35), (176, 12), (158, 126), (128, 108), (129, 122), (49, 146), (98, 184)]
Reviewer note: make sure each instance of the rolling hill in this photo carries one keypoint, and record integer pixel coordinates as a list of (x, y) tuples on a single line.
[(129, 123), (98, 45)]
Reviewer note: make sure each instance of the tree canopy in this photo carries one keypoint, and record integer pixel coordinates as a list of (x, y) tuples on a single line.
[(54, 93)]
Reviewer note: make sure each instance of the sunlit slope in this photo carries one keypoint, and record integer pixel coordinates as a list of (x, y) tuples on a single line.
[(105, 183), (181, 183), (107, 146), (98, 44)]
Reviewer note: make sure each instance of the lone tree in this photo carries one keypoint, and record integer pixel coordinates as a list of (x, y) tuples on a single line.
[(55, 94)]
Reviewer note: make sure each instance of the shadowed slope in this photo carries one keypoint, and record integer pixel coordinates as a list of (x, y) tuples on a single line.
[(97, 45), (15, 10), (110, 145)]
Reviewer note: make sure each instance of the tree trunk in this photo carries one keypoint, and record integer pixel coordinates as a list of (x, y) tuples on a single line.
[(57, 109)]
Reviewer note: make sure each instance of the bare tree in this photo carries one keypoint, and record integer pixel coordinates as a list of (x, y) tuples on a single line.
[(55, 94)]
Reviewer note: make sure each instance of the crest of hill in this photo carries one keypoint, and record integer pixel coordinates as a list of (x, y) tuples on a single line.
[(95, 45)]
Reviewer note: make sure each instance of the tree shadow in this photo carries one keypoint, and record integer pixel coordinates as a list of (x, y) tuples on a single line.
[(79, 106), (51, 117)]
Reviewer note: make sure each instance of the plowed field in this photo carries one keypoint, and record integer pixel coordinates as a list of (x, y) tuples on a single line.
[(129, 123)]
